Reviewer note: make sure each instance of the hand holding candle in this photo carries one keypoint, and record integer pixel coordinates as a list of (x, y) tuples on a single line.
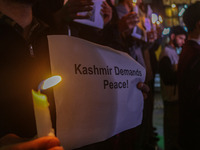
[(41, 107), (135, 7)]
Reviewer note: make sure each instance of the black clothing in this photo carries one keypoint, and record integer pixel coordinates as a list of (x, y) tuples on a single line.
[(168, 75), (44, 9), (108, 36), (23, 64), (189, 95)]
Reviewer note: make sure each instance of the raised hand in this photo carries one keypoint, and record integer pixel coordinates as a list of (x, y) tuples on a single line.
[(106, 12), (128, 22), (71, 9)]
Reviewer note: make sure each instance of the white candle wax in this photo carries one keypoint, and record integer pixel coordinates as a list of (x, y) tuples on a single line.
[(42, 114)]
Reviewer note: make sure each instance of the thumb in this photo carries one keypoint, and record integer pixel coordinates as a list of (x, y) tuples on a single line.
[(57, 148)]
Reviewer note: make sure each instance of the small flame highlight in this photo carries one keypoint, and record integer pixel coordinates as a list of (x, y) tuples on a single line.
[(50, 82), (173, 5), (160, 18), (134, 1), (158, 22), (154, 18)]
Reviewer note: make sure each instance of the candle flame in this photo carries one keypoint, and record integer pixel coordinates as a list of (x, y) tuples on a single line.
[(50, 82), (158, 22), (173, 5), (160, 19), (154, 18), (134, 1)]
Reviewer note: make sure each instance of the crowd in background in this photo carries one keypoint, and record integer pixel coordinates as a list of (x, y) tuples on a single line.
[(25, 24)]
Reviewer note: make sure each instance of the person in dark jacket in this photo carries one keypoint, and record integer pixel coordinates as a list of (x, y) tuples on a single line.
[(168, 72), (24, 62), (189, 81)]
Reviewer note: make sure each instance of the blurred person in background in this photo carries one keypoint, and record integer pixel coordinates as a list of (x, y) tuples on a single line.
[(142, 47), (168, 63)]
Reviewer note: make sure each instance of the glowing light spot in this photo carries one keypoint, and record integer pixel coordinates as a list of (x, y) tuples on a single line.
[(154, 17), (160, 18), (185, 6), (134, 1), (158, 22), (181, 12), (173, 5), (186, 29), (166, 31), (50, 82)]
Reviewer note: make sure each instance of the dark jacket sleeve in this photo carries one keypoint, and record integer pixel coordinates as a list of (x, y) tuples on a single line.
[(167, 74), (111, 37)]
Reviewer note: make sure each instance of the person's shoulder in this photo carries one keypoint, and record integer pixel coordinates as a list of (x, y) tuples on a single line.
[(192, 47), (192, 43), (166, 50)]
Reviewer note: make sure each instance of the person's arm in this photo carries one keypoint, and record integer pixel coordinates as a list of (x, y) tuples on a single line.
[(127, 23)]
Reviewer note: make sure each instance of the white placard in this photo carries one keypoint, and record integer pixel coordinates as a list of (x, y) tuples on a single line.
[(96, 19), (97, 97)]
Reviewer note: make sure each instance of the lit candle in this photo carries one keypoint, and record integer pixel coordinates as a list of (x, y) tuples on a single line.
[(160, 18), (41, 107), (154, 19), (135, 7)]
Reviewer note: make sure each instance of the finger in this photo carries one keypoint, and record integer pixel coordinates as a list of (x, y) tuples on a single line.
[(11, 139), (76, 7), (132, 21), (145, 95), (77, 1), (132, 16), (80, 16), (81, 3), (57, 148), (132, 13), (80, 9), (40, 143), (105, 11), (143, 87), (105, 5)]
